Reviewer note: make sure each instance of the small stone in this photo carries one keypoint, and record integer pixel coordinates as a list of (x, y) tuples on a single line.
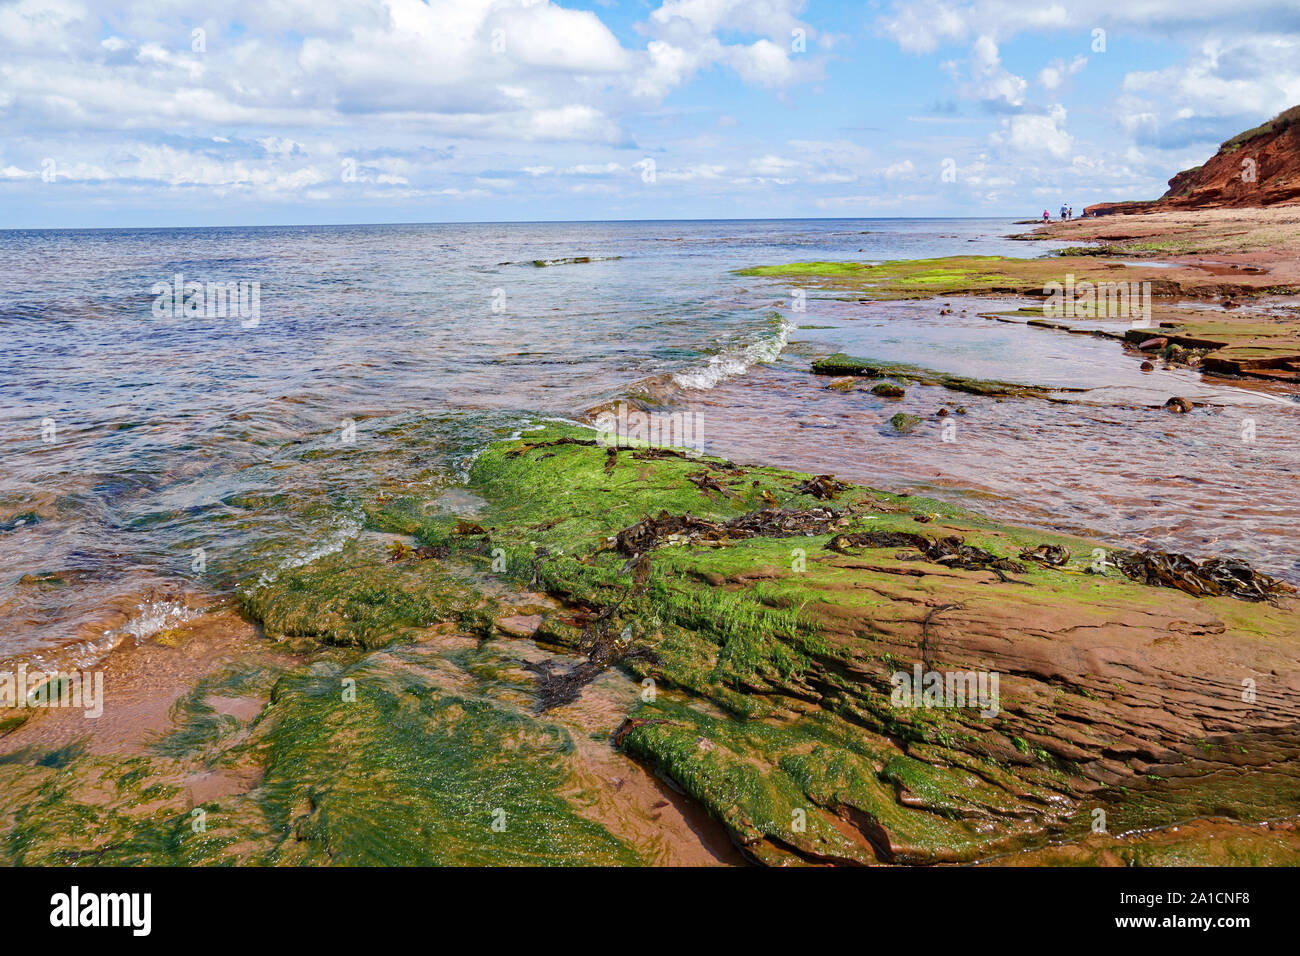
[(1158, 342), (1180, 406), (519, 625), (888, 390), (902, 423), (1147, 367)]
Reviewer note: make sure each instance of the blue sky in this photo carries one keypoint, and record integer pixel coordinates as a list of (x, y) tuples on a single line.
[(315, 111)]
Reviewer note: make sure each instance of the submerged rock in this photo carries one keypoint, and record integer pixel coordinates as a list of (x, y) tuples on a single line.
[(888, 390), (902, 423), (841, 364), (519, 625)]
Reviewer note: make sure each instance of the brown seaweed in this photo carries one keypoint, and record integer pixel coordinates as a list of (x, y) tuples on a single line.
[(951, 550), (650, 532), (400, 551), (822, 487), (1052, 555), (1215, 576)]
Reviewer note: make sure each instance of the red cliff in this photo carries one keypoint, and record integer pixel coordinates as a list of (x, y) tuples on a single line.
[(1260, 167)]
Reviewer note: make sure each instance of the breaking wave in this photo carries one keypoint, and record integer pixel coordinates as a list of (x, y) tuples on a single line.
[(737, 360)]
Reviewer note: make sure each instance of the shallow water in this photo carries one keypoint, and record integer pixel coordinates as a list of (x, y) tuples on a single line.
[(148, 464), (1107, 460)]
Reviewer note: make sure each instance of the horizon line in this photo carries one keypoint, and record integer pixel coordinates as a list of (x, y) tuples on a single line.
[(514, 222)]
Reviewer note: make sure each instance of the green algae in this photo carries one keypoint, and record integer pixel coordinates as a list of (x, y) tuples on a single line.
[(903, 423), (905, 279), (371, 760), (407, 733), (106, 811), (958, 275), (412, 774), (707, 613), (357, 601), (842, 364), (200, 732), (12, 722)]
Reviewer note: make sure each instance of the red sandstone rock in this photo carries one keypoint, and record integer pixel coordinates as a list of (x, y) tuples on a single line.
[(1260, 167)]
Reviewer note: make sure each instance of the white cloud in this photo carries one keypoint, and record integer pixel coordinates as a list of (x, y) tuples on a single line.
[(1055, 73), (692, 173), (1227, 76), (1036, 134), (989, 79), (762, 63), (770, 165)]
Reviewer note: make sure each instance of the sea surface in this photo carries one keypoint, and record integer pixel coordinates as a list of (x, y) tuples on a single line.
[(151, 460)]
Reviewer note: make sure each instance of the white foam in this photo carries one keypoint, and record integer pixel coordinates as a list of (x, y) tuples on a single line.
[(155, 617), (346, 528), (736, 361)]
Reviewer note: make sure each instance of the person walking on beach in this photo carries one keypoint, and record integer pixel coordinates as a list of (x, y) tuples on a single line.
[(1047, 217), (1062, 212)]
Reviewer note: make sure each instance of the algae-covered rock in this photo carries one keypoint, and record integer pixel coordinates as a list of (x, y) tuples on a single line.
[(902, 423), (888, 390), (841, 364), (419, 755), (413, 772), (830, 684), (351, 600), (780, 658)]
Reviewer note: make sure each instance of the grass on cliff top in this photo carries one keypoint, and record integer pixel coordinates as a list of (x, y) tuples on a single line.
[(1278, 123)]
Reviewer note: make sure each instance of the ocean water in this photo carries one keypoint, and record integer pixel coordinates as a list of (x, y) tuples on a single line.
[(148, 456)]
